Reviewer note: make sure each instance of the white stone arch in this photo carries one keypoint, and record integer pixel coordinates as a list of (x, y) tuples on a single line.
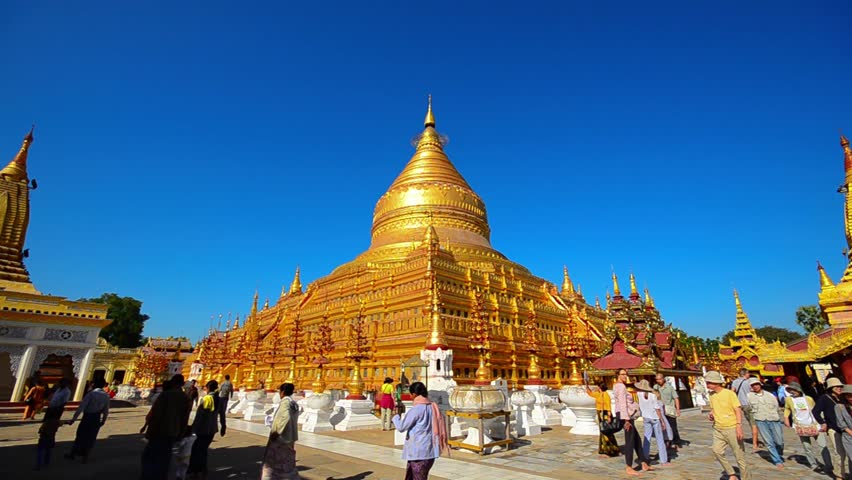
[(43, 353)]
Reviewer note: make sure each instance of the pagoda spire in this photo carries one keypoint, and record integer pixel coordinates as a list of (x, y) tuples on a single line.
[(266, 303), (17, 169), (616, 291), (634, 292), (743, 327), (824, 279), (430, 237), (436, 338), (567, 285), (579, 290), (649, 302), (296, 286), (254, 305), (237, 322), (430, 118)]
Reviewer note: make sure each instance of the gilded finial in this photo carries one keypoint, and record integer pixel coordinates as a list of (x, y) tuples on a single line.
[(824, 279), (430, 118), (634, 292), (847, 156), (17, 168), (649, 302), (266, 304), (296, 286), (436, 338), (567, 285), (737, 301), (237, 322), (579, 290), (430, 238), (597, 302), (615, 290), (254, 305)]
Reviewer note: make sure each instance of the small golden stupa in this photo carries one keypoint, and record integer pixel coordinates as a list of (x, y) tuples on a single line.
[(415, 287)]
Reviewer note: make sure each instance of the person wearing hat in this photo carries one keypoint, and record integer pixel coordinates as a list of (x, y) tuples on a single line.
[(798, 407), (824, 413), (727, 418), (651, 410), (741, 386), (764, 411), (844, 418)]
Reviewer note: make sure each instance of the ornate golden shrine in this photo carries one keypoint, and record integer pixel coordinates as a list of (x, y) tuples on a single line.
[(742, 350), (36, 329), (429, 258), (834, 343)]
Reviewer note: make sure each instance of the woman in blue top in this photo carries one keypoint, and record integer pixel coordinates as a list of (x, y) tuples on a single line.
[(426, 434)]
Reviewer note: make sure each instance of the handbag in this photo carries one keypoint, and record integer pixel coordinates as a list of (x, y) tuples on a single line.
[(609, 424), (807, 430)]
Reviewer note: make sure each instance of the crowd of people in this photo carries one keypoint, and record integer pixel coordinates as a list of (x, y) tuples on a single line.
[(823, 426)]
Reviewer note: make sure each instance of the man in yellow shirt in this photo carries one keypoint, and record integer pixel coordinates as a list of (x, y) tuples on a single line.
[(727, 418)]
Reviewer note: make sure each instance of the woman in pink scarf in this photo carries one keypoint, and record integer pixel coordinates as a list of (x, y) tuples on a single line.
[(426, 434)]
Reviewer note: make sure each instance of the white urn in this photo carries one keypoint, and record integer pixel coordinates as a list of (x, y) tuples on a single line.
[(477, 398), (321, 401), (582, 405), (523, 398)]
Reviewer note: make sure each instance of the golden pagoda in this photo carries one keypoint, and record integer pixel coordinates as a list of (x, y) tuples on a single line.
[(741, 351), (40, 333), (832, 345), (416, 287)]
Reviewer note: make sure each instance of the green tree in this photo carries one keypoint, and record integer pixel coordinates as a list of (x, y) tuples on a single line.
[(811, 318), (125, 331)]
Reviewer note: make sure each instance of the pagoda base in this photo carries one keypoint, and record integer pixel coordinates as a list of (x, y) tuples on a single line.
[(317, 420), (358, 415)]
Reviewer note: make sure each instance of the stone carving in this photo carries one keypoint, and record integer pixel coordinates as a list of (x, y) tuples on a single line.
[(16, 352), (13, 332), (65, 335)]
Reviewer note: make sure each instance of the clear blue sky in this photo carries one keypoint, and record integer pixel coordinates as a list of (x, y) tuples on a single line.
[(188, 152)]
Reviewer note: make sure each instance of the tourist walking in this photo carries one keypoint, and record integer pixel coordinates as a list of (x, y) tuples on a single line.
[(95, 409), (764, 411), (226, 391), (426, 434), (279, 460), (824, 413), (844, 419), (192, 392), (607, 444), (60, 397), (386, 403), (46, 439), (742, 386), (671, 402), (34, 399), (652, 417), (727, 417), (204, 427), (167, 421), (626, 411), (799, 407)]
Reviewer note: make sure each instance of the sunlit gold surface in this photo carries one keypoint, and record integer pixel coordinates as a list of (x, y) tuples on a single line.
[(741, 350), (430, 248)]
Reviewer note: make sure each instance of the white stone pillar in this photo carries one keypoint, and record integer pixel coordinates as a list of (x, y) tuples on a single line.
[(24, 369), (83, 374)]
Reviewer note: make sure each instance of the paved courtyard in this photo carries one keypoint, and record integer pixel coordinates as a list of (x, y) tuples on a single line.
[(371, 455)]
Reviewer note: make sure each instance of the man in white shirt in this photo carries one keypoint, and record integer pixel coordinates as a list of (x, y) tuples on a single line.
[(59, 399)]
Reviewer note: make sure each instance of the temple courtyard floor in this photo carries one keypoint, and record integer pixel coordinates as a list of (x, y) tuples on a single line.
[(362, 455)]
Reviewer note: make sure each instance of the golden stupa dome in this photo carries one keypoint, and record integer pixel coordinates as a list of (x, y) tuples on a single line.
[(430, 191)]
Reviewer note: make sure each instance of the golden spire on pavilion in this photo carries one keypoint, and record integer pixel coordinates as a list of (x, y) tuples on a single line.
[(296, 286), (634, 292), (597, 302), (649, 301), (743, 327), (237, 322), (436, 336), (615, 289), (266, 303), (16, 170), (824, 279), (567, 285)]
